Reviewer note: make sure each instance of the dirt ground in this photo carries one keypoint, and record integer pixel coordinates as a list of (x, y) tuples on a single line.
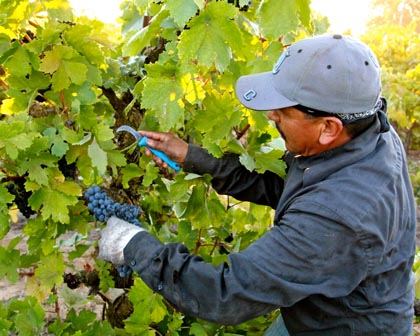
[(8, 290)]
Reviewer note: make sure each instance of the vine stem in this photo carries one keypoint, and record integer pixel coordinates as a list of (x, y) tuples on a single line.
[(63, 102), (240, 134), (198, 242)]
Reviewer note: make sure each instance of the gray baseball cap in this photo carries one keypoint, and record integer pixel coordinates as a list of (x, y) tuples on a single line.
[(331, 73)]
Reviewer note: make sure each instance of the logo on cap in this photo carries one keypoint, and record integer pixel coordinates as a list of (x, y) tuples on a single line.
[(281, 59), (249, 95)]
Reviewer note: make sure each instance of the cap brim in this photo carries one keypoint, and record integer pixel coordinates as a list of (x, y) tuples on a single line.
[(257, 92)]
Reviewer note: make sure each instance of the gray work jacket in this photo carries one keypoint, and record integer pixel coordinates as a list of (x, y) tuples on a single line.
[(338, 259)]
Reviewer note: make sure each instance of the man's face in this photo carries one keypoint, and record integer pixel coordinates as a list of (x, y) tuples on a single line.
[(299, 131)]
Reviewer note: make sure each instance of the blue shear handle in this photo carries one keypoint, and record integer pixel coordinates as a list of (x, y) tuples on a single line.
[(159, 154)]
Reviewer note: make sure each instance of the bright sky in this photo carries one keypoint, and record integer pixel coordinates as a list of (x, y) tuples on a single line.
[(103, 10), (342, 14)]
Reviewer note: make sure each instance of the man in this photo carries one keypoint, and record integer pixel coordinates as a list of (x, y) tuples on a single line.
[(338, 259)]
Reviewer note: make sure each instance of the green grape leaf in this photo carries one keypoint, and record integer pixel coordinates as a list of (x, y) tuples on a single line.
[(76, 71), (181, 10), (13, 139), (94, 76), (4, 224), (98, 157), (197, 208), (148, 308), (36, 172), (58, 146), (303, 7), (34, 81), (82, 320), (10, 262), (248, 161), (52, 59), (116, 159), (5, 198), (216, 126), (71, 298), (60, 80), (79, 38), (78, 252), (270, 161), (55, 204), (106, 280), (35, 164), (19, 64), (4, 43), (50, 271), (212, 36), (142, 38), (163, 94), (103, 133), (67, 73), (283, 21), (30, 317), (69, 188), (129, 172), (197, 330), (152, 172)]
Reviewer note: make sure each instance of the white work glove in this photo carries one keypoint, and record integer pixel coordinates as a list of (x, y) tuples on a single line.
[(114, 238)]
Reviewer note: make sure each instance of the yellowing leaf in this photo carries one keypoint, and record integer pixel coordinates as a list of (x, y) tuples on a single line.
[(69, 188), (52, 59), (193, 89), (7, 106), (48, 274), (33, 288)]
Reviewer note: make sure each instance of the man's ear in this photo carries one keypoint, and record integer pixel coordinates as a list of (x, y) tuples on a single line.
[(331, 129)]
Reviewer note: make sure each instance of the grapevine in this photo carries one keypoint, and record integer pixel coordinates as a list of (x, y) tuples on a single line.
[(103, 207), (17, 189), (67, 83)]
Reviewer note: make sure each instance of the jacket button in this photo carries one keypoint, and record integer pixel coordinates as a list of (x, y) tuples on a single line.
[(160, 287), (133, 262)]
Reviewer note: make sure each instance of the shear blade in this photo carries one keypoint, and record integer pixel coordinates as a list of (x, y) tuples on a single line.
[(130, 130)]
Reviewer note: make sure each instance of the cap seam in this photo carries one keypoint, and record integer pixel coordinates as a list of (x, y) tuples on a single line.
[(349, 88)]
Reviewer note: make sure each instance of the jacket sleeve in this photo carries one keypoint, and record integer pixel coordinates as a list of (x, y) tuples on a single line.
[(230, 177), (308, 252)]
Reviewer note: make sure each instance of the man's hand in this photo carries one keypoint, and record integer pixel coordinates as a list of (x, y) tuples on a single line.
[(175, 148), (114, 238)]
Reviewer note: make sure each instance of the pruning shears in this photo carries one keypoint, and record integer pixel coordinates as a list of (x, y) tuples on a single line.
[(141, 142)]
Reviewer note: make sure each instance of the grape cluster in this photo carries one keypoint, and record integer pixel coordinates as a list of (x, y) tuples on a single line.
[(103, 207), (17, 188)]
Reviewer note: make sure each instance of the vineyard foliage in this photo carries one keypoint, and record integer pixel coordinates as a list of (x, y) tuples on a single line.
[(398, 50), (66, 84)]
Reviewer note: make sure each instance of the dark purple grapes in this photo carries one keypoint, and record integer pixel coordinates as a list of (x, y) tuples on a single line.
[(124, 270), (103, 207)]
